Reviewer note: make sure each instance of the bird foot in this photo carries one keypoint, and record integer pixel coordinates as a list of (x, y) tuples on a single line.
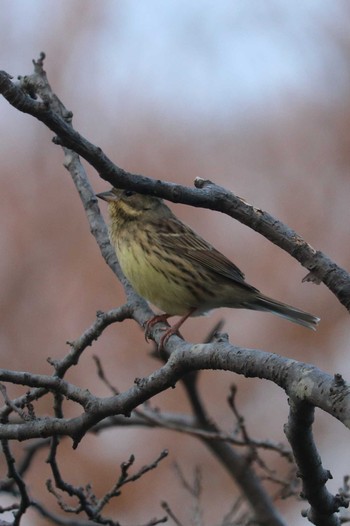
[(166, 336), (168, 332), (152, 321)]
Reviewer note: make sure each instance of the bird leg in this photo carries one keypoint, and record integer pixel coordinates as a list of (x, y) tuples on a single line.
[(152, 321), (168, 332)]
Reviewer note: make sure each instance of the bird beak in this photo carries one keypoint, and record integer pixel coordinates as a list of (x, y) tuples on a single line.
[(108, 196)]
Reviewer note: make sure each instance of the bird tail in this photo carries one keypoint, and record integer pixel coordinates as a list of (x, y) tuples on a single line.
[(264, 303)]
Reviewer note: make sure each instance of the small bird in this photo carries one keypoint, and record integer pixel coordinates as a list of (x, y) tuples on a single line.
[(175, 269)]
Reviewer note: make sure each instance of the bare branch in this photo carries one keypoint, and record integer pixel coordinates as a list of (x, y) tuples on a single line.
[(25, 462), (195, 490), (103, 320), (324, 506), (88, 502), (13, 474), (171, 514), (292, 376)]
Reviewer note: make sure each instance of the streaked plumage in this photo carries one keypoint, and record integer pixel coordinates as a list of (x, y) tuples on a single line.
[(177, 270)]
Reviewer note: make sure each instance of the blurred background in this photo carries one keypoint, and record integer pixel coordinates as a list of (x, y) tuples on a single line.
[(252, 95)]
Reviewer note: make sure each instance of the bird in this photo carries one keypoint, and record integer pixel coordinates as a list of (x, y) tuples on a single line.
[(175, 269)]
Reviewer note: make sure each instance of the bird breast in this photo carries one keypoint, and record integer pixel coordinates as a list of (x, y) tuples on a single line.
[(165, 284)]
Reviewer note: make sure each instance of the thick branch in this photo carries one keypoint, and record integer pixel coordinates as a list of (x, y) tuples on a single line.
[(324, 506), (299, 380)]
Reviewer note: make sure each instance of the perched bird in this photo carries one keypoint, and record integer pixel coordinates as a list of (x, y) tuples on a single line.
[(175, 269)]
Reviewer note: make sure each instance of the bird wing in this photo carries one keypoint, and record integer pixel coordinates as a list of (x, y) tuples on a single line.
[(189, 245)]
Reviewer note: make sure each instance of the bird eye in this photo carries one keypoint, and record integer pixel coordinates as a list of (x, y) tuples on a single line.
[(128, 193)]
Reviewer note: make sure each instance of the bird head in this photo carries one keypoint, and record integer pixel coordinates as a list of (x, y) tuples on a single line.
[(127, 204)]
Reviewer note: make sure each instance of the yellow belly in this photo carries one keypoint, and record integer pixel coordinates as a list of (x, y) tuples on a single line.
[(146, 275)]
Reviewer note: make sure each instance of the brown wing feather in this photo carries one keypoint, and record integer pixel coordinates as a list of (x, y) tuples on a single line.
[(191, 246)]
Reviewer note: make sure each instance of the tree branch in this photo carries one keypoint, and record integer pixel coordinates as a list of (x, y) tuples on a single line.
[(299, 380), (324, 506)]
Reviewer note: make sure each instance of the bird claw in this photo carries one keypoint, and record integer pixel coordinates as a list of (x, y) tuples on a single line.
[(166, 336), (152, 321), (168, 332)]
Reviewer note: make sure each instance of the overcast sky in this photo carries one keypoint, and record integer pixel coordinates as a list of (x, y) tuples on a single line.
[(207, 56)]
